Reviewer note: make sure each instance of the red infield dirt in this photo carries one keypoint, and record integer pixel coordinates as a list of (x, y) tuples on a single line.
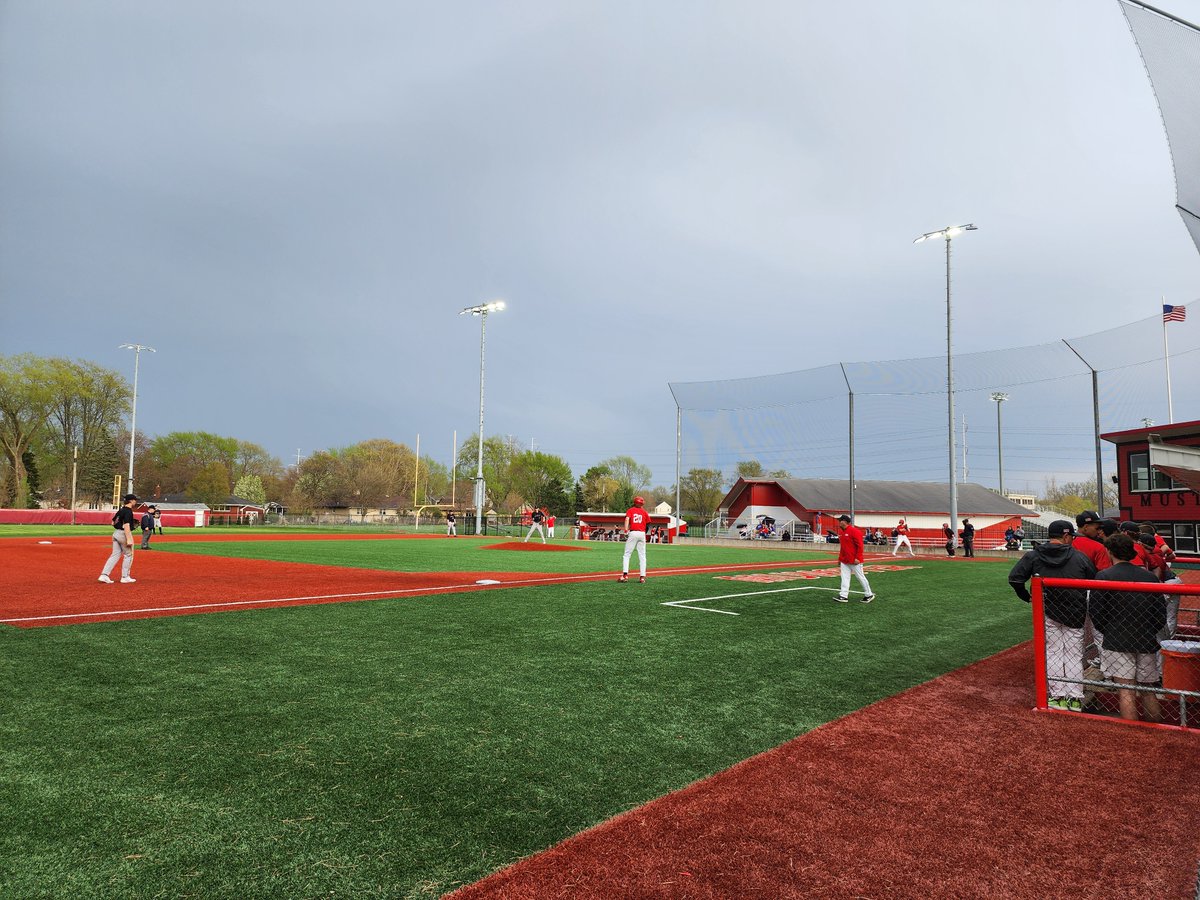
[(55, 583), (952, 789)]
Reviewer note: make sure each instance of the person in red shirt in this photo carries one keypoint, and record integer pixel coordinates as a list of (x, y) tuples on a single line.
[(1142, 557), (850, 560), (636, 520), (1090, 540)]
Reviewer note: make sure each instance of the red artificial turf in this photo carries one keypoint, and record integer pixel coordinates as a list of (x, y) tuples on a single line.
[(952, 789), (56, 583), (537, 548)]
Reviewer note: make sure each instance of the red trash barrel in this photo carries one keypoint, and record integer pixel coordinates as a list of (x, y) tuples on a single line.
[(1180, 671)]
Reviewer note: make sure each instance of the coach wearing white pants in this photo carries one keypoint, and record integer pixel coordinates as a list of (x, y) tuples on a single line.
[(850, 560), (636, 520)]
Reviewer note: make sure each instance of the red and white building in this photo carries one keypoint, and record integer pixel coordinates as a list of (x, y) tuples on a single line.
[(814, 504), (1158, 476)]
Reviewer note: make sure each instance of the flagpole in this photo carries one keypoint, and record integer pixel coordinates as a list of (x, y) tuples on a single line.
[(1167, 363)]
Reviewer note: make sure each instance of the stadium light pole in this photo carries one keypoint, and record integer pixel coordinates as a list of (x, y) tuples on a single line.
[(948, 234), (137, 357), (999, 397), (482, 311)]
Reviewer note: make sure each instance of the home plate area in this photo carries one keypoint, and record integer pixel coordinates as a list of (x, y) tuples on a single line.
[(774, 578), (807, 574)]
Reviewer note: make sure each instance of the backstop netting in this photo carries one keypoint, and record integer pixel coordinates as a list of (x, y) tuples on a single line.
[(890, 417), (1170, 48)]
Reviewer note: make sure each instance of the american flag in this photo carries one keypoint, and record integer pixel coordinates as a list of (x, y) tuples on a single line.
[(1174, 313)]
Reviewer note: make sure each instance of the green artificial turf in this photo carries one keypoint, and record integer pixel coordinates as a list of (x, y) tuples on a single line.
[(402, 748), (475, 555)]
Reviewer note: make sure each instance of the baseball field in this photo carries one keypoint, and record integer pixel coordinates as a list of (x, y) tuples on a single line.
[(315, 715)]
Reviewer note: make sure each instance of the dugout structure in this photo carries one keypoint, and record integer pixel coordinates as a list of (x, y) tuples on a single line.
[(1136, 657), (886, 420)]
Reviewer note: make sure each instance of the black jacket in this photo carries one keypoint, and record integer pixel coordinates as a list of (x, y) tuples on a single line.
[(1129, 620), (1067, 606)]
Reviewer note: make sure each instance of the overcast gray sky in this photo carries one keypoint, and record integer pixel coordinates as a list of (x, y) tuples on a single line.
[(292, 201)]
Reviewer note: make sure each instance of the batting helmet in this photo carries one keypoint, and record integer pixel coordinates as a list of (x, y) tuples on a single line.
[(638, 501)]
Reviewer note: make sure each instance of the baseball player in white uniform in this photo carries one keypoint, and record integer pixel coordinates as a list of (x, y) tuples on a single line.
[(902, 539), (538, 518), (636, 520)]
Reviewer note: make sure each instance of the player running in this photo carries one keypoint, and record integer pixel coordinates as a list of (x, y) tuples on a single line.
[(636, 520)]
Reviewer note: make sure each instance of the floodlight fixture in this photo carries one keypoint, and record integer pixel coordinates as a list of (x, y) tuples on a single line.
[(949, 233), (998, 397), (137, 356), (482, 311)]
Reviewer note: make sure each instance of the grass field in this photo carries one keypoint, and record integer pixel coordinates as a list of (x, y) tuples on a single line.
[(404, 747)]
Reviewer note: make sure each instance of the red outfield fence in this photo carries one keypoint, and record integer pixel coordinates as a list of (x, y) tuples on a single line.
[(178, 519), (1108, 681)]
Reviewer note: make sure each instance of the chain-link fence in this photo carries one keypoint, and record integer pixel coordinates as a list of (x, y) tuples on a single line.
[(1124, 645)]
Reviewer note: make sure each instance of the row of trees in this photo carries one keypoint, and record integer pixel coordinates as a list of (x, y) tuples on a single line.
[(56, 413)]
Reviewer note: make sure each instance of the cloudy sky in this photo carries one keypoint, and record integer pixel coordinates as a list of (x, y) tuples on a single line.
[(291, 201)]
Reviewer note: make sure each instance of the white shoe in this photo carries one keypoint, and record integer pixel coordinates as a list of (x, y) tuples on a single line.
[(128, 580), (104, 579)]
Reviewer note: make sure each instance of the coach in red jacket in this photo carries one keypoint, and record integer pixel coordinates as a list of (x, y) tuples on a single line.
[(850, 559)]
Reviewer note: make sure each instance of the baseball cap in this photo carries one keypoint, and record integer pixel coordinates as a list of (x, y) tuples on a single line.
[(1129, 526), (638, 501), (843, 518), (1109, 527), (1060, 527), (129, 497), (1086, 518)]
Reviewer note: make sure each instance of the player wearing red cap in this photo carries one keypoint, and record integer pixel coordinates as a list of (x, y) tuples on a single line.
[(636, 520)]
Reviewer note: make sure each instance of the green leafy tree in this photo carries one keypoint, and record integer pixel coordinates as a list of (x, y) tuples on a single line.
[(1073, 497), (96, 470), (541, 479), (702, 490), (250, 487), (25, 402), (89, 404), (210, 486), (598, 489), (631, 475), (780, 473), (498, 453), (322, 482), (176, 459), (33, 480), (173, 460), (749, 468), (379, 469), (434, 480)]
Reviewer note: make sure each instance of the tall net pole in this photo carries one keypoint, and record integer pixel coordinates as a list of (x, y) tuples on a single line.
[(953, 538)]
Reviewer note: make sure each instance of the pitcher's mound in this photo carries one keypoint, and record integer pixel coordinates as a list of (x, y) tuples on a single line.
[(521, 545)]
